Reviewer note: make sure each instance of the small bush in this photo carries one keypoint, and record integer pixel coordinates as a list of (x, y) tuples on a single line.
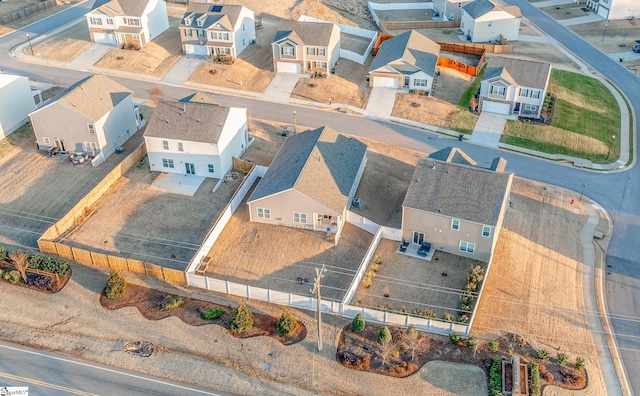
[(495, 377), (562, 358), (462, 318), (472, 341), (403, 310), (213, 313), (447, 317), (12, 276), (172, 302), (542, 354), (385, 335), (116, 286), (3, 253), (534, 381), (429, 314), (580, 363), (366, 282), (242, 320), (287, 324), (493, 346), (378, 260), (48, 264), (455, 338)]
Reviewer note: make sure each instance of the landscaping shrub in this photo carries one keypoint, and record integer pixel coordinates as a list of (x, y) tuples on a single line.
[(495, 377), (447, 317), (213, 313), (580, 363), (116, 286), (48, 264), (493, 346), (385, 335), (472, 341), (411, 332), (378, 260), (287, 324), (242, 320), (3, 253), (455, 338), (462, 318), (562, 358), (429, 314), (172, 302), (366, 282), (534, 381), (12, 276), (21, 263), (548, 376), (357, 325), (542, 354)]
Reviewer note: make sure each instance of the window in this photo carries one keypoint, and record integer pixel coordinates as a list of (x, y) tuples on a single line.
[(109, 21), (321, 51), (223, 51), (200, 22), (188, 33), (498, 90), (468, 247), (210, 166), (219, 36), (200, 33), (420, 82), (180, 146), (243, 27), (486, 231), (455, 224), (46, 140), (490, 23), (165, 144), (92, 128), (96, 21), (299, 217), (90, 146), (135, 37), (536, 94), (530, 107), (132, 21), (288, 51), (311, 51), (321, 65), (187, 21), (264, 213), (167, 163)]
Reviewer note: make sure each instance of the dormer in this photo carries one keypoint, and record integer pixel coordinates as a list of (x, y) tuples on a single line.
[(200, 21), (188, 19)]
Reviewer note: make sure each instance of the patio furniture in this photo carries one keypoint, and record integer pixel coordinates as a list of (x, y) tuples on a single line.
[(403, 245), (424, 249)]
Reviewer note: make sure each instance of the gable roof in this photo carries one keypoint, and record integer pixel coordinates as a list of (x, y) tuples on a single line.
[(134, 8), (198, 97), (93, 96), (306, 33), (458, 190), (211, 14), (482, 7), (412, 47), (189, 121), (321, 164), (452, 155), (521, 72)]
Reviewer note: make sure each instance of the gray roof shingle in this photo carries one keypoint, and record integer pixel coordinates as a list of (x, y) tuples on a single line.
[(227, 16), (133, 8), (411, 46), (481, 7), (525, 73), (459, 191), (189, 121), (93, 96), (310, 33), (321, 164)]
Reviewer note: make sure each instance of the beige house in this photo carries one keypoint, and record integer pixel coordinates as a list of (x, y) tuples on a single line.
[(301, 47), (455, 205), (311, 182)]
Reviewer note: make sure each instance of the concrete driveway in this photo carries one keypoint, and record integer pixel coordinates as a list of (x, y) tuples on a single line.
[(381, 101), (182, 70), (89, 57), (489, 129), (280, 88)]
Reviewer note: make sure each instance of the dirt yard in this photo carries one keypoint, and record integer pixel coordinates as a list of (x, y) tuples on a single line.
[(268, 140), (565, 11), (450, 85), (620, 37), (431, 111), (348, 85), (66, 45)]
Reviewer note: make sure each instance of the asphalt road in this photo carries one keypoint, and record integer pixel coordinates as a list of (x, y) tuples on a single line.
[(617, 192), (50, 374)]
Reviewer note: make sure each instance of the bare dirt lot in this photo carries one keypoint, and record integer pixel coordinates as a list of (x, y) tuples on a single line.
[(620, 37), (450, 85), (66, 45), (274, 257), (267, 141), (565, 11)]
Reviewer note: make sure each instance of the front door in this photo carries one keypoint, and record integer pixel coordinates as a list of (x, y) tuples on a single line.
[(190, 168), (59, 144), (418, 237), (406, 81)]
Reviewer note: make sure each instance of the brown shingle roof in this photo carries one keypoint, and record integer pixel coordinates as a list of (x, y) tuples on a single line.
[(94, 96), (311, 33), (525, 73), (133, 8)]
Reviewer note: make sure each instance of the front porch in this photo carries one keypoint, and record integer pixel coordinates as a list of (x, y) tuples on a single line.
[(411, 250)]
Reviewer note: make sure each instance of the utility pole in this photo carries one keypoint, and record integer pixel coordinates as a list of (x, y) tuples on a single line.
[(582, 192), (316, 289), (30, 47), (294, 122)]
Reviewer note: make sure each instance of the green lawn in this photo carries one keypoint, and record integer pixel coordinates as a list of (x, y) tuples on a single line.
[(575, 130), (472, 89)]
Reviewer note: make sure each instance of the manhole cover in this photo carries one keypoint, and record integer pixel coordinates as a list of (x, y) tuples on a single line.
[(140, 348)]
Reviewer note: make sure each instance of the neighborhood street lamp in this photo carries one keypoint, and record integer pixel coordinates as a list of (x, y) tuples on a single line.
[(30, 47), (582, 192), (610, 145), (294, 122), (605, 31)]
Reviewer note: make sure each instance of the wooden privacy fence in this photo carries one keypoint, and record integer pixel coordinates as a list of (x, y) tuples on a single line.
[(386, 26), (26, 11), (465, 49)]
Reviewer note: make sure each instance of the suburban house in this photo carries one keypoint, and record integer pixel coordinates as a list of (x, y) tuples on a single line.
[(301, 47), (405, 61), (311, 182), (217, 30), (615, 9), (96, 115), (514, 86), (16, 102), (195, 137), (128, 22), (455, 205), (450, 10), (483, 21)]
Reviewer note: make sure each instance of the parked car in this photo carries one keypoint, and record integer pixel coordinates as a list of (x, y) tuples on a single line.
[(636, 48)]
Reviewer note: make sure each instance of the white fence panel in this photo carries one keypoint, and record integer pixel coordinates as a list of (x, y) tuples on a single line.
[(362, 222), (237, 289), (401, 6), (301, 301), (352, 56), (418, 322), (217, 285), (279, 297), (350, 311), (394, 234), (258, 293), (373, 315), (396, 319), (373, 14), (196, 280), (362, 268)]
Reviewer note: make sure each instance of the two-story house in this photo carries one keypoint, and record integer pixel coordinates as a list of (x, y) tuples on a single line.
[(449, 10), (16, 102), (217, 30), (514, 86), (195, 137), (455, 205), (482, 21), (95, 116), (301, 47), (128, 22), (615, 9)]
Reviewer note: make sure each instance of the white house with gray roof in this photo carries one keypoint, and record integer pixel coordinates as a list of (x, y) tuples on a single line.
[(195, 136), (514, 86), (455, 205), (217, 30), (301, 47), (408, 60), (16, 102), (94, 116), (483, 21), (128, 22), (311, 182)]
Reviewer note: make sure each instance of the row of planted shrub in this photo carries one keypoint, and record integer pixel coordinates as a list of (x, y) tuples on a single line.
[(24, 260)]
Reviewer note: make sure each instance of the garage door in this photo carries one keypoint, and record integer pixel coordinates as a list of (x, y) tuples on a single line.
[(286, 67), (385, 82), (495, 107), (194, 49), (603, 12), (104, 38)]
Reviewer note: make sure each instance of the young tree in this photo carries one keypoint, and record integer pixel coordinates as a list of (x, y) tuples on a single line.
[(242, 320), (156, 94), (357, 325), (385, 349), (385, 335), (116, 285), (21, 262), (287, 324), (412, 341)]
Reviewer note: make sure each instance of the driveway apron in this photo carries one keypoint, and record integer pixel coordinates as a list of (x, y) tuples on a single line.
[(381, 102), (489, 129), (280, 88)]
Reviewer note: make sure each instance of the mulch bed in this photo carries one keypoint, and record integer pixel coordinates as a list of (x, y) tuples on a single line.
[(37, 280), (359, 351), (149, 302)]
